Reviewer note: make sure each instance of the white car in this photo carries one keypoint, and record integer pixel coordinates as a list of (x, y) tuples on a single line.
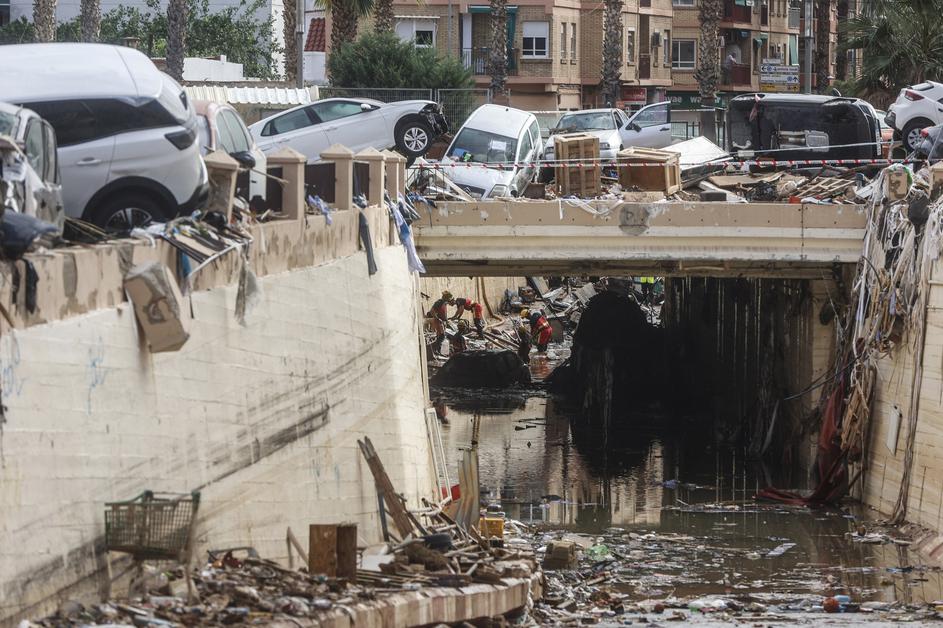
[(29, 170), (126, 133), (491, 137), (357, 123), (650, 127), (221, 128), (916, 108)]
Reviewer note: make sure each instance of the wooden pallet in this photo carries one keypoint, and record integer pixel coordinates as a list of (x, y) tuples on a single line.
[(661, 172), (580, 173)]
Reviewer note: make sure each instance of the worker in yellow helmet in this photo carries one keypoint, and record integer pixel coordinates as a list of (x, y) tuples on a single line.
[(648, 289)]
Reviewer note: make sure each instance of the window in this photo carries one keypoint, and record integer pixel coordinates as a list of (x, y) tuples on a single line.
[(527, 144), (666, 46), (229, 120), (91, 119), (536, 35), (421, 32), (653, 115), (630, 47), (562, 41), (34, 146), (793, 50), (4, 12), (336, 109), (683, 3), (682, 54), (482, 147), (52, 159), (573, 40), (291, 121)]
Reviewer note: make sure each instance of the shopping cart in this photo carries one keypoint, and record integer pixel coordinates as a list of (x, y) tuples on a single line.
[(153, 526)]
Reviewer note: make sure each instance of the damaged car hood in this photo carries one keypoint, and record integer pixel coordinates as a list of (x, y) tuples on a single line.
[(475, 178)]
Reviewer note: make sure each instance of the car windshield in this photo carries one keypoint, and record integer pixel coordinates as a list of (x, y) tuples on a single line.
[(598, 121), (7, 123), (483, 147)]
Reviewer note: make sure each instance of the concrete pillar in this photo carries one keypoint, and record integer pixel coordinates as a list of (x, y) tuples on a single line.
[(222, 171), (343, 159), (292, 164), (377, 163), (395, 183)]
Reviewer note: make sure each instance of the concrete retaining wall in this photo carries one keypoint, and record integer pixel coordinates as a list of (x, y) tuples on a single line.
[(262, 418)]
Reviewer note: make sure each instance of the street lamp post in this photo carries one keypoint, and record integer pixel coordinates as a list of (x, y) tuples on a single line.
[(807, 34)]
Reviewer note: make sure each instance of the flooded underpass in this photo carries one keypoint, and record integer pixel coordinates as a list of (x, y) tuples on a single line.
[(667, 526), (657, 504)]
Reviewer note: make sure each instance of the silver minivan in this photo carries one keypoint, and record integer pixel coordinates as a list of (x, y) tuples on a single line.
[(495, 153)]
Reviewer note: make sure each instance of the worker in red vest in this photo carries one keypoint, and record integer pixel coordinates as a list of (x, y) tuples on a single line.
[(457, 342), (540, 329), (477, 311)]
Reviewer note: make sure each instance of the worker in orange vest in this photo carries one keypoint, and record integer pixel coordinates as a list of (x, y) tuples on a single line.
[(540, 329), (439, 314), (477, 311)]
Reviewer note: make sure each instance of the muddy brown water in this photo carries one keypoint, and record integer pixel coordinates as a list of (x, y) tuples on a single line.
[(674, 505)]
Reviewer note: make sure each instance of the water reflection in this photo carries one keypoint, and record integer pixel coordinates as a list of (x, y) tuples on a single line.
[(671, 478)]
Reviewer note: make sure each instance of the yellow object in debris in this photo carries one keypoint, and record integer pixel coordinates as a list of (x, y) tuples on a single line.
[(492, 527)]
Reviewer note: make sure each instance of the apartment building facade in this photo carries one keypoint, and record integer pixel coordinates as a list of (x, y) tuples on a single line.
[(554, 47)]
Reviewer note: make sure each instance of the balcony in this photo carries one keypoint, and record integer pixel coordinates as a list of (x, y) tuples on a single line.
[(738, 75), (734, 12), (476, 59), (644, 67)]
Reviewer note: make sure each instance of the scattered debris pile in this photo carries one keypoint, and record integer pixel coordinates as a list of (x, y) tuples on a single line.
[(483, 369)]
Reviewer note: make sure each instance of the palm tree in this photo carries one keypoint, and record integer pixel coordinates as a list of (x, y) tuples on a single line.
[(289, 22), (612, 52), (176, 37), (707, 72), (901, 43), (823, 11), (44, 20), (90, 17), (345, 14), (383, 16), (498, 53)]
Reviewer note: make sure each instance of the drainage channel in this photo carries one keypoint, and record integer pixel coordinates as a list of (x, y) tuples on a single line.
[(665, 525)]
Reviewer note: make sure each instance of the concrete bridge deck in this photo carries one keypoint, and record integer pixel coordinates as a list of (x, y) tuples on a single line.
[(563, 237)]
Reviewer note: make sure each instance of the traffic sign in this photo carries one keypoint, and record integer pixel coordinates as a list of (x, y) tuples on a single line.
[(791, 79), (779, 69)]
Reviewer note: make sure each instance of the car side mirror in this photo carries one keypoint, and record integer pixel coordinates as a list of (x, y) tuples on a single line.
[(632, 126), (245, 158), (365, 107)]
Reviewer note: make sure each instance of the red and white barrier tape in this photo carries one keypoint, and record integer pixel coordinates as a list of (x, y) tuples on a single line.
[(767, 163)]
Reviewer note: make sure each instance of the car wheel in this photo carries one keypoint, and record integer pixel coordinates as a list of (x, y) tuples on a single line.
[(123, 212), (911, 133), (413, 138)]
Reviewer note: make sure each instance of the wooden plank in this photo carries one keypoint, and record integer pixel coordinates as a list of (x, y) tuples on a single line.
[(346, 551), (322, 549), (393, 504)]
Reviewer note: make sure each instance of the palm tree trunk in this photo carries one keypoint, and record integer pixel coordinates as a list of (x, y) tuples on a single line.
[(176, 37), (383, 16), (841, 59), (707, 72), (612, 52), (44, 20), (90, 18), (498, 53), (289, 22), (343, 23), (823, 14)]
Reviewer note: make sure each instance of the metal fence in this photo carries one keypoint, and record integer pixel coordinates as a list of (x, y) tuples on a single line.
[(689, 129), (383, 94), (457, 104)]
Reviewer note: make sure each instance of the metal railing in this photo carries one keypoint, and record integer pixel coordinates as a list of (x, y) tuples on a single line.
[(476, 59), (793, 18), (383, 94), (689, 129)]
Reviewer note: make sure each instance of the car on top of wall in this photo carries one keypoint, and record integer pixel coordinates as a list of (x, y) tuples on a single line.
[(357, 123), (917, 107), (220, 127), (29, 169), (650, 127), (126, 132), (495, 153)]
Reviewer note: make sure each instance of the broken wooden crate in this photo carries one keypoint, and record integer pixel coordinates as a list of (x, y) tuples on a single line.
[(649, 170), (577, 170)]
